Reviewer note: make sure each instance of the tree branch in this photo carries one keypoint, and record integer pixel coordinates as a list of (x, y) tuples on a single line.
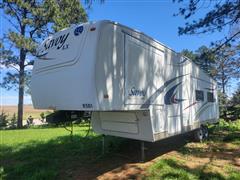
[(29, 64), (227, 41), (10, 65), (14, 25), (15, 12)]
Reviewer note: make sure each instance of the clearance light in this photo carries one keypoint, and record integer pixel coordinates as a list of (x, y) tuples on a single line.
[(92, 29)]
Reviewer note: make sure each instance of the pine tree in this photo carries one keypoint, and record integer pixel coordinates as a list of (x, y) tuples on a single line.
[(31, 21), (221, 15)]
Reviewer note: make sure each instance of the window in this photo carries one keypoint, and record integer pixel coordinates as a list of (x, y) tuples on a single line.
[(210, 97), (199, 95)]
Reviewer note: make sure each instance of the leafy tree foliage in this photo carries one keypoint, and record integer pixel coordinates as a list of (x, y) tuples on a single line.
[(66, 12), (3, 119), (236, 97), (233, 106), (13, 121), (30, 22), (223, 104), (223, 66), (190, 54), (203, 57), (227, 66), (221, 15)]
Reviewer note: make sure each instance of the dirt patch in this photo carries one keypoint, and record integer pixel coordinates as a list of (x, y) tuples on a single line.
[(127, 171), (127, 166)]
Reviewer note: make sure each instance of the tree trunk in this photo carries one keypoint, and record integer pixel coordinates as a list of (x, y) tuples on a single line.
[(223, 87), (223, 80), (224, 93), (21, 88)]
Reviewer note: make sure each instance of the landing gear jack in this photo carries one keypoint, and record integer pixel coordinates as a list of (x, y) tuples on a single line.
[(142, 151)]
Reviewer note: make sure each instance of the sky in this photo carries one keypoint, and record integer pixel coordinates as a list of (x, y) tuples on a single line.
[(154, 18)]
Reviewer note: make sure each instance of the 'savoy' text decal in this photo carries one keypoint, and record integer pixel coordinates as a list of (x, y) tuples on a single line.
[(56, 42)]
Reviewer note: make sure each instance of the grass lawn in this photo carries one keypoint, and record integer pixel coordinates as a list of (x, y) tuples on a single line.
[(43, 153), (217, 158), (50, 153)]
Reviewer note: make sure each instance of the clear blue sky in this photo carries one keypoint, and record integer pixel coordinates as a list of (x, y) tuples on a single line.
[(154, 18)]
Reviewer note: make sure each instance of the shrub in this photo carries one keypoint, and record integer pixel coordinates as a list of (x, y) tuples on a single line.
[(13, 121), (42, 115), (3, 119), (229, 126)]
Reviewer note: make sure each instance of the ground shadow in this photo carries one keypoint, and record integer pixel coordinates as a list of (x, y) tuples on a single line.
[(78, 158)]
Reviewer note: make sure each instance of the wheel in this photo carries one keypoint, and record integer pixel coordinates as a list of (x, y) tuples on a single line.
[(205, 132), (201, 133), (198, 135)]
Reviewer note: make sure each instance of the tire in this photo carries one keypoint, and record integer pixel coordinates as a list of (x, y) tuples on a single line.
[(198, 135), (205, 132), (201, 134)]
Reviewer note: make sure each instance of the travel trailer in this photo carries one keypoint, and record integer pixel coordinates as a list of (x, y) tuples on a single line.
[(135, 86)]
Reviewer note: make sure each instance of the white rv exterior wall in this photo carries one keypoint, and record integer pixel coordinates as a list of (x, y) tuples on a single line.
[(135, 86), (63, 79), (138, 62)]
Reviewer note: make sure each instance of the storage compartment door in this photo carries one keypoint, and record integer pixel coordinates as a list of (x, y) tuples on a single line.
[(119, 122)]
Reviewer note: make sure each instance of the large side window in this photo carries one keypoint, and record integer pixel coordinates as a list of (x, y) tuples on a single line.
[(210, 97), (199, 95)]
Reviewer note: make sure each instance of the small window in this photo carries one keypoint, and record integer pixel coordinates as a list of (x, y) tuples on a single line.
[(199, 95), (210, 97)]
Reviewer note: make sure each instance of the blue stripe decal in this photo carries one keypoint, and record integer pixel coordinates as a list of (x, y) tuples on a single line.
[(154, 96), (169, 97)]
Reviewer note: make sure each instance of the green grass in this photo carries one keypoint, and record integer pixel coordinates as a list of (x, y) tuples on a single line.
[(170, 169), (42, 153), (174, 169), (224, 139), (50, 153)]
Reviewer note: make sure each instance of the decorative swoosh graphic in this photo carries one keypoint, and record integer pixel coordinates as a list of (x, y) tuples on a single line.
[(41, 55), (153, 97), (170, 96), (44, 58), (202, 109), (190, 105)]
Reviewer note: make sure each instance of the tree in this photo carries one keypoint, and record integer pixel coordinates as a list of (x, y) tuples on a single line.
[(31, 21), (3, 119), (223, 14), (13, 121), (235, 104), (235, 100), (203, 57), (223, 104), (227, 66), (189, 54)]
